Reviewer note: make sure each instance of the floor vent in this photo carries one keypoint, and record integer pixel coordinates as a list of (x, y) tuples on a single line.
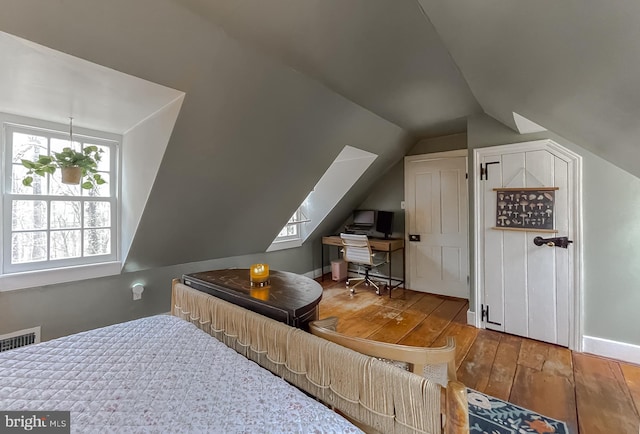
[(19, 339)]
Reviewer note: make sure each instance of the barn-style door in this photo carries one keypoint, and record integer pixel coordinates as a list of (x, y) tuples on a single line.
[(527, 234)]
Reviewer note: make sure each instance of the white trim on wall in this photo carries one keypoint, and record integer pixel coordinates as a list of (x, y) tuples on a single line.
[(612, 349), (471, 318), (52, 276), (318, 272)]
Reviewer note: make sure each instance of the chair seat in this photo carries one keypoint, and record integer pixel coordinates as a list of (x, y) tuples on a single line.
[(357, 250)]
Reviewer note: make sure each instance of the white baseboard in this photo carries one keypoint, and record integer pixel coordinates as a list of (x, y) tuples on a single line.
[(327, 269), (318, 272), (612, 349), (471, 318)]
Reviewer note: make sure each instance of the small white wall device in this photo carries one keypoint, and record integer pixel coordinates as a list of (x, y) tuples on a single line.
[(137, 290)]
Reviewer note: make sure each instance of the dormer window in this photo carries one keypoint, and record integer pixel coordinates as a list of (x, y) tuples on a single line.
[(340, 176), (51, 224), (292, 230)]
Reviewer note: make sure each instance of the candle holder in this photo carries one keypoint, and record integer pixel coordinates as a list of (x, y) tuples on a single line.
[(260, 292), (259, 275)]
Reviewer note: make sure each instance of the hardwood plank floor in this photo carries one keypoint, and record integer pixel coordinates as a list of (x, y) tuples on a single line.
[(591, 394)]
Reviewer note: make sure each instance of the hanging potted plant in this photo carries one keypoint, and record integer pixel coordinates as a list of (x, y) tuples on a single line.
[(74, 165)]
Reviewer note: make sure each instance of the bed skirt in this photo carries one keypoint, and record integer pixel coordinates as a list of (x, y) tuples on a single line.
[(378, 395)]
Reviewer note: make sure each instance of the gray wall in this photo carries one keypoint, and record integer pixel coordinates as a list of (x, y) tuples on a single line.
[(84, 305), (450, 142), (386, 195), (611, 226), (252, 138)]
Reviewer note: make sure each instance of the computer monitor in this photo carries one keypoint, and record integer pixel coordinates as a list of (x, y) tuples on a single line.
[(384, 223), (364, 218)]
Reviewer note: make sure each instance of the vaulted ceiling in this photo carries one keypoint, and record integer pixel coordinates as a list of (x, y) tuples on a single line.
[(383, 55), (276, 88), (572, 66)]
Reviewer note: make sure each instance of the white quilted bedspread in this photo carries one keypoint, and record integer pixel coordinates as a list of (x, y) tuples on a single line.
[(158, 374)]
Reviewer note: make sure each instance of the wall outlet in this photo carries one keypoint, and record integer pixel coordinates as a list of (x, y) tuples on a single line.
[(402, 204)]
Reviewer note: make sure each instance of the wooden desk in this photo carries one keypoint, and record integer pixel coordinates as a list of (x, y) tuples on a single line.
[(290, 298), (379, 245)]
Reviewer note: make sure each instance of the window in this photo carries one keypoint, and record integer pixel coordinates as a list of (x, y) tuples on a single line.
[(340, 176), (51, 224), (291, 230)]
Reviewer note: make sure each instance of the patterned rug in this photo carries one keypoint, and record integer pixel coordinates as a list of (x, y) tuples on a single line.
[(489, 415)]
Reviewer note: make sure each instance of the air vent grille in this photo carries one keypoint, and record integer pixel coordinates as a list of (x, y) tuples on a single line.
[(19, 339)]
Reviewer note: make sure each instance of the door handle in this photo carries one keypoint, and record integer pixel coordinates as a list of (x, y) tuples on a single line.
[(414, 237), (562, 242)]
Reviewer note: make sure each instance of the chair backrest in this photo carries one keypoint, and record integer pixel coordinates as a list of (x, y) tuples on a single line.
[(420, 360), (356, 249)]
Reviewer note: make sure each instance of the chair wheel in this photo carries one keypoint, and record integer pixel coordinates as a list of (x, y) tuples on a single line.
[(377, 291), (352, 291)]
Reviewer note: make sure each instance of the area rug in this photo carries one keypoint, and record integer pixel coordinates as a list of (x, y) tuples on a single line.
[(489, 415)]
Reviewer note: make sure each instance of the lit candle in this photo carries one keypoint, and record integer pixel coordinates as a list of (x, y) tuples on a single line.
[(259, 273)]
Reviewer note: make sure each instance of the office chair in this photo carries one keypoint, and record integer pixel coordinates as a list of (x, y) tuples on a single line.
[(357, 250)]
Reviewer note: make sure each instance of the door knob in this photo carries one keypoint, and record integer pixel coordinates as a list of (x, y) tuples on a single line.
[(562, 242)]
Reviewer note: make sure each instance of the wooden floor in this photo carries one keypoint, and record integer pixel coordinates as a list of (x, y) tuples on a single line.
[(591, 394)]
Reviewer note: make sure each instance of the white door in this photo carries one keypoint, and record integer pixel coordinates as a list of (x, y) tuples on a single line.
[(436, 212), (527, 289)]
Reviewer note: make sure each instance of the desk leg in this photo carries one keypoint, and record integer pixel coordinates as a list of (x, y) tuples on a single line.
[(404, 272), (389, 273), (322, 260)]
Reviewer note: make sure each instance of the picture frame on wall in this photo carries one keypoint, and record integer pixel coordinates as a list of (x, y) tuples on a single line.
[(525, 209)]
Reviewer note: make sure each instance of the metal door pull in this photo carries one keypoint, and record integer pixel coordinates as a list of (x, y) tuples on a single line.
[(562, 242)]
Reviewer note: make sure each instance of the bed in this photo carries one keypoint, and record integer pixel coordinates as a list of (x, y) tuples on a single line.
[(210, 368), (158, 374)]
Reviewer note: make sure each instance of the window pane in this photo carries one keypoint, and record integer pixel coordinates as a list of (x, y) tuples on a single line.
[(28, 147), (28, 247), (65, 244), (39, 185), (289, 231), (65, 214), (97, 242), (97, 214), (28, 214)]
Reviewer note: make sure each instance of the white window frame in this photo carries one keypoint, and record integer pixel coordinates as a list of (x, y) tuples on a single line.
[(290, 241), (15, 276), (294, 222)]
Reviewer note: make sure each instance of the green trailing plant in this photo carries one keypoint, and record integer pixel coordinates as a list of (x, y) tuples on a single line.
[(87, 160)]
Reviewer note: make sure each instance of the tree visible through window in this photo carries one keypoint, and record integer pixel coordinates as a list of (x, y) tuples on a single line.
[(51, 224)]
